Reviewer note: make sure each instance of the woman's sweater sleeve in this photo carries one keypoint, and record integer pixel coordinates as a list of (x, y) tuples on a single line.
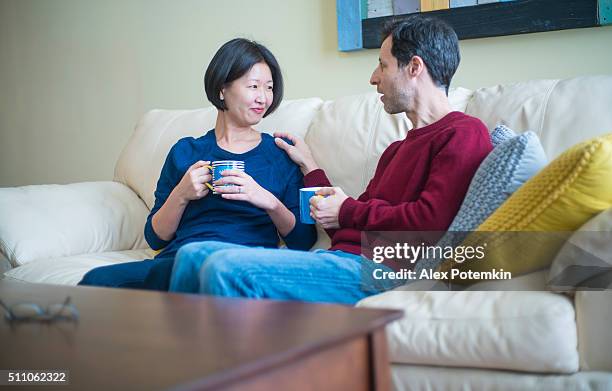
[(168, 179)]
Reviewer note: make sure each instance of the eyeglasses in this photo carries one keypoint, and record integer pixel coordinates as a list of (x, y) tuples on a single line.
[(25, 312)]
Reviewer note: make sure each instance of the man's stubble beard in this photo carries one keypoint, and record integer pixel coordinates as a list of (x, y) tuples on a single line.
[(399, 103)]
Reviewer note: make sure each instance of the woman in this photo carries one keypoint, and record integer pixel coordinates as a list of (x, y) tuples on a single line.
[(244, 82)]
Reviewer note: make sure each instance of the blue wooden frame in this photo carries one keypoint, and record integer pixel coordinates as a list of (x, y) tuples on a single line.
[(349, 15), (605, 12)]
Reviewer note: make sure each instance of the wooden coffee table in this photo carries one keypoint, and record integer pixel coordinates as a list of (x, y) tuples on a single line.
[(130, 339)]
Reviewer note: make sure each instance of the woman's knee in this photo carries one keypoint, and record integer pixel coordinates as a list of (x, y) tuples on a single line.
[(100, 276), (121, 275), (158, 277)]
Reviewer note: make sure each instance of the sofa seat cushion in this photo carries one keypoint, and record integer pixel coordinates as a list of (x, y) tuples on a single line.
[(420, 378), (521, 331), (70, 270)]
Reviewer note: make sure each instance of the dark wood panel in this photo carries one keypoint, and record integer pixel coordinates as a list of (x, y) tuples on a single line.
[(379, 355), (505, 18), (342, 367)]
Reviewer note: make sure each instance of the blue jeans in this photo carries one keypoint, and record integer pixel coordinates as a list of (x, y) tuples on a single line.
[(224, 269)]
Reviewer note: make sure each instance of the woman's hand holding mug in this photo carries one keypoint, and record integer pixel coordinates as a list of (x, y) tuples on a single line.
[(245, 189), (194, 184)]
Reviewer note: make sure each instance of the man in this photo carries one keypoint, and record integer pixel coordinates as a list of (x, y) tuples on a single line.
[(419, 184)]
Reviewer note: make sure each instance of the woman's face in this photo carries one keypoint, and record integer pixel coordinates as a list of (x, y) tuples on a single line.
[(248, 97)]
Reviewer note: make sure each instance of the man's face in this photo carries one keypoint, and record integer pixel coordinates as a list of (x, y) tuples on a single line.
[(391, 81)]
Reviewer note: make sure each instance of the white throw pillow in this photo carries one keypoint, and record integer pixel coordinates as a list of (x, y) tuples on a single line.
[(47, 221)]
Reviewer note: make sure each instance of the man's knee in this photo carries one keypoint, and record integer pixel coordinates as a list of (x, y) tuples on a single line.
[(187, 251), (190, 257), (198, 251), (220, 263)]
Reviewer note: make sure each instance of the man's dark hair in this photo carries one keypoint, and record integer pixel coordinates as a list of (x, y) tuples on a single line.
[(429, 38), (232, 61)]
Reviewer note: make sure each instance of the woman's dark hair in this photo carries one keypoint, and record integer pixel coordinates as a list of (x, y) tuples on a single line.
[(232, 61), (429, 38)]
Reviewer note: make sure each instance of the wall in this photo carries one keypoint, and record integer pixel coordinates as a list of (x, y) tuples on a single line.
[(75, 75)]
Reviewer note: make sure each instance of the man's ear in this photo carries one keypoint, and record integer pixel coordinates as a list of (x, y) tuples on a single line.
[(416, 66)]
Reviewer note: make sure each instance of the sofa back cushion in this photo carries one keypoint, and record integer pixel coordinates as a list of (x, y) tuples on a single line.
[(348, 136), (157, 131), (561, 112)]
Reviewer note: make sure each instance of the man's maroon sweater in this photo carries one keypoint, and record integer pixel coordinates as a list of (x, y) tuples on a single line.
[(419, 183)]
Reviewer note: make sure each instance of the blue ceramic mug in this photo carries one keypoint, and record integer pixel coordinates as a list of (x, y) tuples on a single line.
[(217, 167), (306, 193)]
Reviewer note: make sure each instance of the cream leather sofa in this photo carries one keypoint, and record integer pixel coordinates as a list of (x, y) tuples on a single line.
[(447, 340)]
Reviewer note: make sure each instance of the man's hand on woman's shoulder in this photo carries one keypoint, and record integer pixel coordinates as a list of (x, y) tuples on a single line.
[(299, 152)]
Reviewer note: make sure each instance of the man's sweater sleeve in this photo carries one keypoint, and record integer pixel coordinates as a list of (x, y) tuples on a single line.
[(316, 178), (451, 171)]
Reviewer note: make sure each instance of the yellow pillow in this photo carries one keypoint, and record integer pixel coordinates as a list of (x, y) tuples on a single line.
[(526, 231)]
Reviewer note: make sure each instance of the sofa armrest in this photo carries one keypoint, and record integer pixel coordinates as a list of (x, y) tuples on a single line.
[(520, 331), (594, 316), (45, 221)]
